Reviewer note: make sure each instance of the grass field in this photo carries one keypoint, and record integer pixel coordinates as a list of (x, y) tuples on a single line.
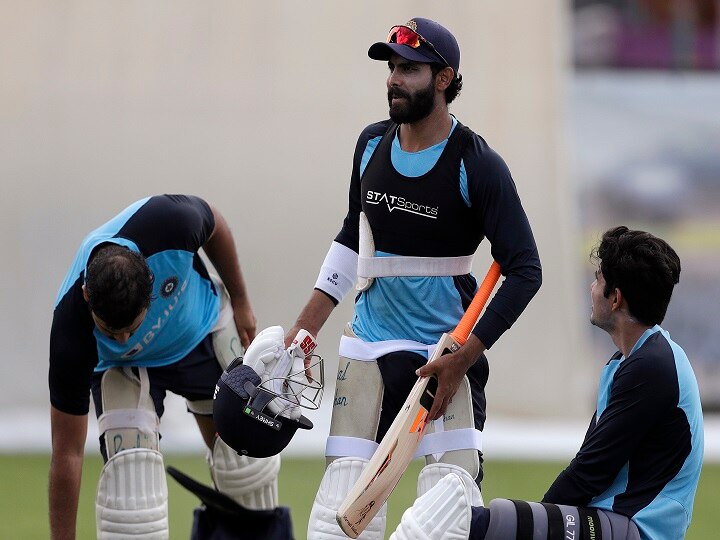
[(23, 497)]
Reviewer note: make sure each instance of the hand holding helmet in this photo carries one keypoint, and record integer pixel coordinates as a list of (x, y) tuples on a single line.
[(258, 399)]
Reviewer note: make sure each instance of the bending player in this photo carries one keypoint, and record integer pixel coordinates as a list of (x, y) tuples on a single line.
[(637, 471), (138, 315), (424, 192)]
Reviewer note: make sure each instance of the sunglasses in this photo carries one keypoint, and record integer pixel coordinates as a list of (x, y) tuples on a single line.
[(403, 35)]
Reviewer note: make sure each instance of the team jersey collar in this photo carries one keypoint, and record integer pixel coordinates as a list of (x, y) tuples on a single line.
[(646, 334)]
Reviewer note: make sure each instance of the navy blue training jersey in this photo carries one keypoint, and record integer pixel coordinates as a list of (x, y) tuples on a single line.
[(441, 201), (168, 230), (642, 454)]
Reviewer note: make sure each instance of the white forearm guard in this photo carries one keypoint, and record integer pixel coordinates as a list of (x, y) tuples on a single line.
[(338, 271)]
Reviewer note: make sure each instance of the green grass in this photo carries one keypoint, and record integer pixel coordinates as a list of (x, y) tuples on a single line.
[(23, 493)]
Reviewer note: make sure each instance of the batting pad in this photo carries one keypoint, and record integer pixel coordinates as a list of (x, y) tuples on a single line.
[(338, 480), (356, 407), (455, 438), (432, 474), (443, 513), (250, 482), (132, 497)]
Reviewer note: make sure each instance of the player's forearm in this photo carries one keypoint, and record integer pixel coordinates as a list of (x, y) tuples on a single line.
[(508, 303), (471, 351), (65, 474), (315, 313), (567, 489), (221, 251)]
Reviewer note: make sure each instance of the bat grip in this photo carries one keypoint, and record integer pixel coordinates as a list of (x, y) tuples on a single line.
[(466, 324)]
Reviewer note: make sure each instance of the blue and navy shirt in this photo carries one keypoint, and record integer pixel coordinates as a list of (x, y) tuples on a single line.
[(168, 230), (642, 454), (460, 180)]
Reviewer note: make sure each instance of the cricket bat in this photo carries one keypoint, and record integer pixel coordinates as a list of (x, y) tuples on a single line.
[(398, 446)]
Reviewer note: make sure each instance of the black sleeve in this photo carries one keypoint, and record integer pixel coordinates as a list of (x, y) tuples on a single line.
[(497, 205), (349, 233), (639, 398), (73, 353), (170, 222)]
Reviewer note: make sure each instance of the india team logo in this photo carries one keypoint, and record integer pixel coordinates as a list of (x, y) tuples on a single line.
[(168, 286)]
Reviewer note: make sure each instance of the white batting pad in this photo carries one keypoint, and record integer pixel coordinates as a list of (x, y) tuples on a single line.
[(337, 481), (250, 482), (443, 513), (430, 475), (132, 497)]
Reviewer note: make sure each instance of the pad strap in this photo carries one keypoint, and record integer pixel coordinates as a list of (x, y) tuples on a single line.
[(142, 419), (432, 443), (343, 446), (447, 441)]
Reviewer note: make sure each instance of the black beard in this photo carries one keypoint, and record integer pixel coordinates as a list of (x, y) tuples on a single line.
[(418, 105)]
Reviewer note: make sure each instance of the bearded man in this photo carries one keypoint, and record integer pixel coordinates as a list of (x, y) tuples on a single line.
[(425, 191)]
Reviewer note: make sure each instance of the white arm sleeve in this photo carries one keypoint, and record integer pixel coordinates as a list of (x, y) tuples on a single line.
[(338, 272)]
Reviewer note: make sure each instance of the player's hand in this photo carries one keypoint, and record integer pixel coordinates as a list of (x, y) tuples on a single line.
[(449, 371), (289, 337), (245, 321)]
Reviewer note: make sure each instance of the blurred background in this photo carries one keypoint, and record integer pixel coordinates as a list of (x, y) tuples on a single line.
[(607, 113)]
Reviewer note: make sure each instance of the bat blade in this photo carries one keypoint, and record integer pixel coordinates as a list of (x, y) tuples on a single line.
[(397, 449)]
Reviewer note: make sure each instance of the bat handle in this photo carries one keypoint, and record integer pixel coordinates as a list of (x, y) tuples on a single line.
[(466, 324)]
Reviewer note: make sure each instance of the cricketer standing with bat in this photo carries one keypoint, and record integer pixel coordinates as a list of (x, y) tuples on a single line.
[(425, 190)]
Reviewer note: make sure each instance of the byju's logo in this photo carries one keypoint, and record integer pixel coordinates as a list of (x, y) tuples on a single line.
[(401, 203)]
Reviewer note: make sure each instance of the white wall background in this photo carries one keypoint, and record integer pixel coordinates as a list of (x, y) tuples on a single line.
[(256, 106)]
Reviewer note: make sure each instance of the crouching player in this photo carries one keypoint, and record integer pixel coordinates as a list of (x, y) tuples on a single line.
[(637, 470), (139, 315)]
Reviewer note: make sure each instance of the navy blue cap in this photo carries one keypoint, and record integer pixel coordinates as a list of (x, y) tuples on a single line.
[(440, 37)]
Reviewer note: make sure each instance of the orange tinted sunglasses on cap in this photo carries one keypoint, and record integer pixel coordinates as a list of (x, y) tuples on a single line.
[(404, 35)]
